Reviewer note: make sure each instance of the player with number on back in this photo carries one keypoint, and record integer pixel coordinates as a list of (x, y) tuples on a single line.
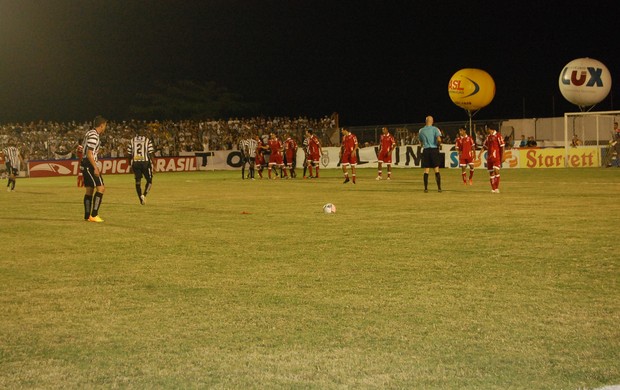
[(466, 147), (140, 151)]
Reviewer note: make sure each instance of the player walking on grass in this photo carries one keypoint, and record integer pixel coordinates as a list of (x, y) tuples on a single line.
[(275, 158), (466, 147), (290, 154), (430, 138), (141, 155), (388, 143), (348, 154), (13, 159), (494, 145), (314, 153), (259, 155), (92, 174)]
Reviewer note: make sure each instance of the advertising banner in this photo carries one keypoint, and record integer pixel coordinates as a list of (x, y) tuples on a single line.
[(408, 156)]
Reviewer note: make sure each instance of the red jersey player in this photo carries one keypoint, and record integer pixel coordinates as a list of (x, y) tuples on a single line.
[(348, 154), (314, 152), (494, 144), (275, 159), (290, 153), (388, 143), (259, 157), (466, 147)]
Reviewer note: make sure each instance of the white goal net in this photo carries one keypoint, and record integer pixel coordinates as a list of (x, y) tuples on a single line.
[(589, 129)]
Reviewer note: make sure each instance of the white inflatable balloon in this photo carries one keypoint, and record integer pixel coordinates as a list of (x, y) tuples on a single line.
[(585, 82)]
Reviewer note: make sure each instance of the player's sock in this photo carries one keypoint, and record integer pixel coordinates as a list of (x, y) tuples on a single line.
[(426, 181), (147, 188), (438, 180), (12, 184), (88, 201), (389, 174), (471, 174), (138, 189), (317, 172), (96, 203), (379, 173), (496, 181), (305, 171), (310, 170), (463, 175), (269, 172), (353, 178), (251, 172), (492, 182)]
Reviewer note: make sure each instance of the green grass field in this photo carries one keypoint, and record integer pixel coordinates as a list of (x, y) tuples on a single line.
[(222, 283)]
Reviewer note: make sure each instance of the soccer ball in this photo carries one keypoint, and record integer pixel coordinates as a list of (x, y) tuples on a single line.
[(329, 208)]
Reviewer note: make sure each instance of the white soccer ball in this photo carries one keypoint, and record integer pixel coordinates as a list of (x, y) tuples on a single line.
[(329, 208)]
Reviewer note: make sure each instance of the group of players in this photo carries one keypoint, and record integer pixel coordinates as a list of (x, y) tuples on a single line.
[(283, 155)]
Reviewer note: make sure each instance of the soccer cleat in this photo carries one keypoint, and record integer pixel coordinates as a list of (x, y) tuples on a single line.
[(425, 190), (439, 190), (497, 191), (379, 178), (142, 200), (95, 219), (471, 182), (346, 180), (389, 178)]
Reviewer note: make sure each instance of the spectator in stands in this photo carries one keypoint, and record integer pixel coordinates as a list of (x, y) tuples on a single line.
[(576, 141), (531, 142), (523, 142)]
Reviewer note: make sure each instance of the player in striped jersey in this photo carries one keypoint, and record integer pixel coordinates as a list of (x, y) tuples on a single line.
[(92, 174), (248, 146), (13, 159), (141, 155)]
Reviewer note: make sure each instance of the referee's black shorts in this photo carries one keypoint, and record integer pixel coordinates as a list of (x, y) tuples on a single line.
[(431, 158)]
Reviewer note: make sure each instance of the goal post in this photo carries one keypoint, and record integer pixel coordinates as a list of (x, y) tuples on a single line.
[(594, 128)]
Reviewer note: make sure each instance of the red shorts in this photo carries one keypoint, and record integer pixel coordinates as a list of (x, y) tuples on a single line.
[(349, 158), (275, 158), (314, 156), (290, 156), (493, 162), (385, 156), (465, 160)]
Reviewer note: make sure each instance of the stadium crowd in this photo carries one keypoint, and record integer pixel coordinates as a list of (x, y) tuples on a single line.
[(53, 140)]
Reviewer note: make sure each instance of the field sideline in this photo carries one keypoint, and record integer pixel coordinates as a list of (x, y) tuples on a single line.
[(220, 282)]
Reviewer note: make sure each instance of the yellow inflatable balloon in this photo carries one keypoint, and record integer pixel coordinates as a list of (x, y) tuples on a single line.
[(471, 89)]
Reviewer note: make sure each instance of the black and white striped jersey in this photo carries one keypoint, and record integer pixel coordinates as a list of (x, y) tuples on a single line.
[(248, 147), (11, 155), (140, 148), (91, 142)]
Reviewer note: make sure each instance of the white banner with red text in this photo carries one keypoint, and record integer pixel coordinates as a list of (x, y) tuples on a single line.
[(403, 157)]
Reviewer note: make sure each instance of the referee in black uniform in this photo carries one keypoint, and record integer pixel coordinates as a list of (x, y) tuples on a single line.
[(140, 151)]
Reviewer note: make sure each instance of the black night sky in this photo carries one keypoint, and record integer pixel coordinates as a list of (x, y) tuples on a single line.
[(373, 62)]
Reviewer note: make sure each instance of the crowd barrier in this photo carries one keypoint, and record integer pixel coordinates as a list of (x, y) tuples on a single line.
[(403, 157)]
